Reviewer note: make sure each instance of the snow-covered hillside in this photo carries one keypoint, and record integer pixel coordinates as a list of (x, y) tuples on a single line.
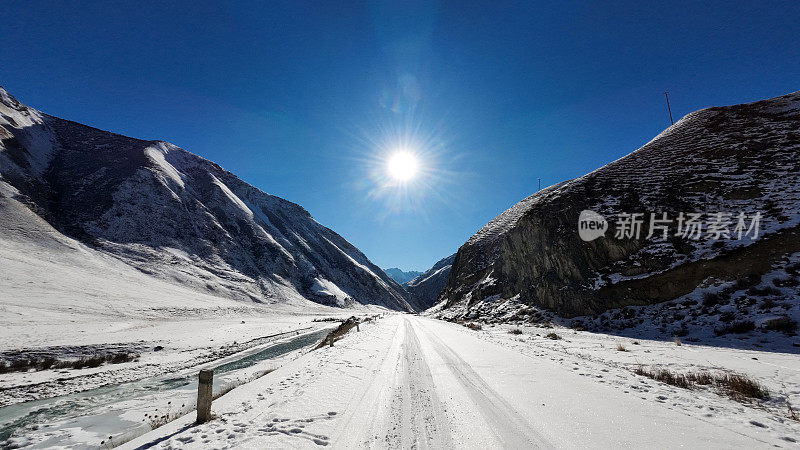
[(401, 276), (719, 163), (67, 188), (426, 287)]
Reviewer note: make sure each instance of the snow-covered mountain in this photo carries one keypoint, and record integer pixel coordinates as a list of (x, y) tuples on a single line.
[(401, 276), (425, 288), (742, 159), (172, 215)]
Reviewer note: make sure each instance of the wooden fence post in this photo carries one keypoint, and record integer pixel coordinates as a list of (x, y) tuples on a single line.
[(357, 329), (205, 384), (330, 340)]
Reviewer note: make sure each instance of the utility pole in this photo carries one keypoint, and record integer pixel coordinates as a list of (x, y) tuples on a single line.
[(666, 95), (540, 184)]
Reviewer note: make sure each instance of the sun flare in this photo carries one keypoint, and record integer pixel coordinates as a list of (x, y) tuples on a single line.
[(402, 166)]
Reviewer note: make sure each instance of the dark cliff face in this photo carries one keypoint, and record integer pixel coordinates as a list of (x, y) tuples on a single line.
[(426, 287), (179, 217), (743, 158)]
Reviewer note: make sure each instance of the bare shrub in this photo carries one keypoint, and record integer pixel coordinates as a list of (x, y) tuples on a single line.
[(783, 324), (766, 290), (744, 283), (742, 326), (621, 348), (515, 331), (712, 298), (768, 303), (791, 413), (553, 336), (677, 341)]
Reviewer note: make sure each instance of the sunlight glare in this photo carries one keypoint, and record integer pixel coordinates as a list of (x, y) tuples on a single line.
[(402, 166)]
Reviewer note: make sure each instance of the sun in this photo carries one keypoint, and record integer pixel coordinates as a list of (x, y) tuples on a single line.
[(402, 166)]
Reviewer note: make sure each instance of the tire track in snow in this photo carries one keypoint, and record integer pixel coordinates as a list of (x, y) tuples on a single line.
[(509, 427), (363, 417), (399, 408), (417, 418)]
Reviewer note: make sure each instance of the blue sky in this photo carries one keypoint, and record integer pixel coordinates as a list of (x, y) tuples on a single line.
[(303, 99)]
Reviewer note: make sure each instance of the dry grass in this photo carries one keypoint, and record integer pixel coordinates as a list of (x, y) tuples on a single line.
[(677, 342), (737, 327), (740, 387), (700, 378), (783, 324), (159, 420), (621, 348), (736, 386), (791, 413), (664, 376), (473, 326), (50, 362)]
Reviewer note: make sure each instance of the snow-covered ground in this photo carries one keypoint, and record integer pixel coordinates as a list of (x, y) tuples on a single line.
[(408, 381), (115, 413), (64, 300)]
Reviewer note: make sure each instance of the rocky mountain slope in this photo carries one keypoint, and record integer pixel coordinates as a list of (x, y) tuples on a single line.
[(172, 215), (742, 159), (401, 276), (426, 287)]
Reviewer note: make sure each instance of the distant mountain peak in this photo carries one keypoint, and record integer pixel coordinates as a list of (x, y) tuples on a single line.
[(401, 276)]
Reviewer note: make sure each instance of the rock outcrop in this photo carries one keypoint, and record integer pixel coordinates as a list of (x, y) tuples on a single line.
[(729, 160)]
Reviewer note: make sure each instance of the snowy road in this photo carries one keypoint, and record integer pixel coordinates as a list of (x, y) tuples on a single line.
[(411, 382)]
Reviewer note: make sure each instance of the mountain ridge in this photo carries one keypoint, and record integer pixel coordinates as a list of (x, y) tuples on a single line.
[(740, 158), (178, 216), (426, 287)]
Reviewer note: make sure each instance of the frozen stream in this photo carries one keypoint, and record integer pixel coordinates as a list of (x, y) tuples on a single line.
[(123, 411)]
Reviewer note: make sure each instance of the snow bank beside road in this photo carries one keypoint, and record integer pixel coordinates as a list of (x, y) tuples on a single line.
[(408, 381)]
